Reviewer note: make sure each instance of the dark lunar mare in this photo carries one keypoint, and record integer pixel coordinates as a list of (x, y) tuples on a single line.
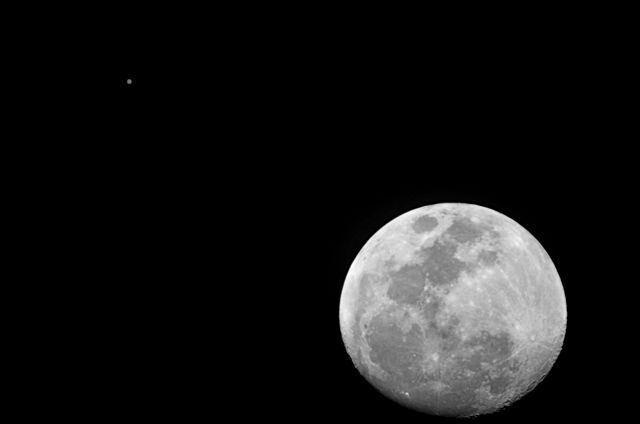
[(394, 351), (437, 264), (440, 264), (488, 257), (407, 284), (482, 360), (424, 223), (464, 230)]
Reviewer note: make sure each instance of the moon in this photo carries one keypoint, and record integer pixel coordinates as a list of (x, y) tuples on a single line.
[(453, 310)]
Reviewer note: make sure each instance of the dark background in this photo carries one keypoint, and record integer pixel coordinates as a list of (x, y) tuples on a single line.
[(203, 219)]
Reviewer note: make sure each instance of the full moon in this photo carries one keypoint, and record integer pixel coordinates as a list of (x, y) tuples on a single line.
[(453, 310)]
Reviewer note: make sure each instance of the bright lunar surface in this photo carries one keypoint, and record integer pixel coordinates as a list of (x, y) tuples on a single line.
[(453, 310)]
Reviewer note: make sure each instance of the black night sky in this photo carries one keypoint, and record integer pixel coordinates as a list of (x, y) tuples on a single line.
[(215, 204)]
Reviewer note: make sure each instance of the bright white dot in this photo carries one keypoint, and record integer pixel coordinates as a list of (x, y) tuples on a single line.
[(129, 81)]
